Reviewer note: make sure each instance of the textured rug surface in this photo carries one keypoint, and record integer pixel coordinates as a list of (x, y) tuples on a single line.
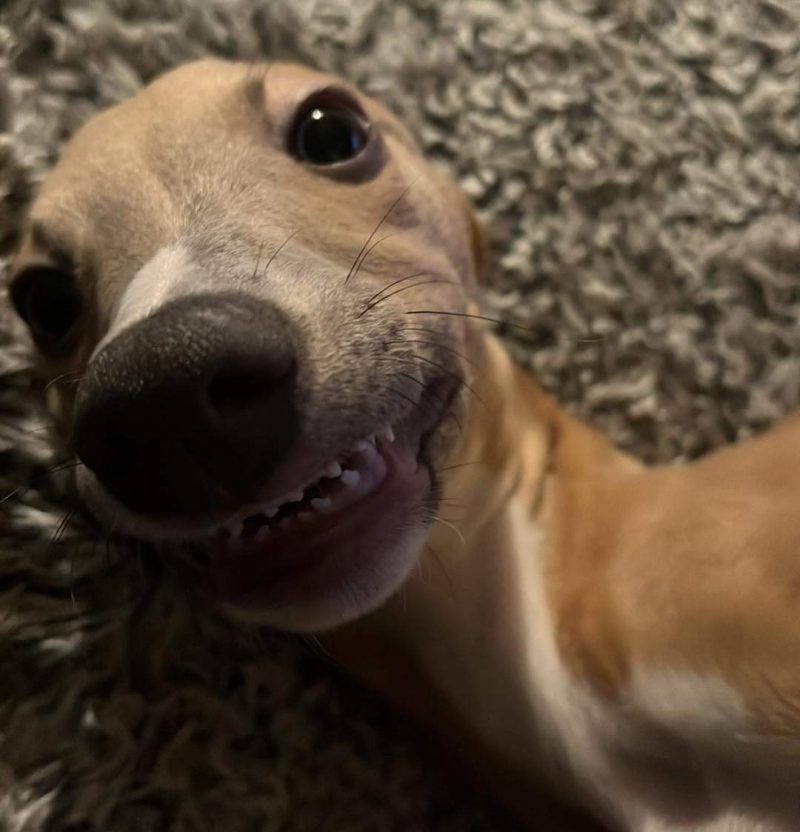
[(636, 163)]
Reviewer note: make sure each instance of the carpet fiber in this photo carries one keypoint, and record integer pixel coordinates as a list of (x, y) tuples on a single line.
[(636, 163)]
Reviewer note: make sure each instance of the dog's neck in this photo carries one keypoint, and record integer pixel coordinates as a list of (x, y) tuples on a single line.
[(473, 633)]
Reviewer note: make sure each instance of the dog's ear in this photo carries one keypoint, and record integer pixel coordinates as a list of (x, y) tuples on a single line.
[(470, 229)]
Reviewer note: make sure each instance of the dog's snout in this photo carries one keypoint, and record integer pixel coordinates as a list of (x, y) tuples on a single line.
[(190, 409)]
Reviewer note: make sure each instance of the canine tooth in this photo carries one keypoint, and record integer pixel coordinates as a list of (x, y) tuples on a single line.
[(350, 478), (322, 504), (388, 433), (334, 470)]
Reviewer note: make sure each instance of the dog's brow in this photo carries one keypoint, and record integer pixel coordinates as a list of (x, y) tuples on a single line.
[(254, 85), (47, 241)]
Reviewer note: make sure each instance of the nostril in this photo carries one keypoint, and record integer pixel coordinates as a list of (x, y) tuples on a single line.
[(237, 390)]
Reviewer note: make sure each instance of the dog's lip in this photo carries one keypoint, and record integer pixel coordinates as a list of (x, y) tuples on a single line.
[(257, 570)]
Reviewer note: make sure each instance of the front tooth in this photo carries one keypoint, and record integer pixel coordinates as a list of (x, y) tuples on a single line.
[(270, 512), (235, 528), (388, 432), (322, 504), (334, 471), (362, 445), (295, 496), (350, 478)]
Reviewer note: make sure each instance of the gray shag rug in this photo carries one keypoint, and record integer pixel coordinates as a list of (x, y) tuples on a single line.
[(636, 163)]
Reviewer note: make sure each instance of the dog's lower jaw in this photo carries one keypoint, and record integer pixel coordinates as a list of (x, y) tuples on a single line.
[(351, 599)]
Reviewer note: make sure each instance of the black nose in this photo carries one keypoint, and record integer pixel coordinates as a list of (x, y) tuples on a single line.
[(190, 409)]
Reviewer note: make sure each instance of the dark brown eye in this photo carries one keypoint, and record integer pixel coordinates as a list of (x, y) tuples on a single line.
[(329, 130), (49, 302)]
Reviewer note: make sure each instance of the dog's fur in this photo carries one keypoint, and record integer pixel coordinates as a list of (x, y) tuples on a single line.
[(625, 636)]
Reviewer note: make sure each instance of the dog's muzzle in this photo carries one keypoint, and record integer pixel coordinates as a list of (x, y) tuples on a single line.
[(171, 414)]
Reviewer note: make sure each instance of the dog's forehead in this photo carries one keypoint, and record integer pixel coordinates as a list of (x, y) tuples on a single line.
[(185, 117), (208, 131), (199, 161)]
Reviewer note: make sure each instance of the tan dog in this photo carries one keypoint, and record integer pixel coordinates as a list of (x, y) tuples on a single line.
[(266, 293)]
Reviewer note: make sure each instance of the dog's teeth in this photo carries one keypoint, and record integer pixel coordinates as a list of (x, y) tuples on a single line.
[(322, 504), (263, 534), (388, 433), (362, 445), (295, 496), (350, 478), (373, 440), (334, 470), (235, 528), (270, 512), (305, 516)]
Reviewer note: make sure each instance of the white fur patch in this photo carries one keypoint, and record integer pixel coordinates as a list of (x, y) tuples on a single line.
[(689, 703), (162, 278)]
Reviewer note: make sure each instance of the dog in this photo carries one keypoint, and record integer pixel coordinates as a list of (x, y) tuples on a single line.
[(270, 300)]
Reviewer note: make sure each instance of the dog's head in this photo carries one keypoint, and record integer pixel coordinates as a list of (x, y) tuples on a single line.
[(247, 284)]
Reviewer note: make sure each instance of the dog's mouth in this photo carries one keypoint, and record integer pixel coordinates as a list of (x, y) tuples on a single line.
[(349, 530)]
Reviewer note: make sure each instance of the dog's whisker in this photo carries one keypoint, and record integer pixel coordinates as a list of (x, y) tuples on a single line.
[(400, 394), (452, 527), (61, 377), (369, 251), (497, 321), (380, 300), (316, 646), (35, 430), (65, 466), (460, 465), (464, 383), (258, 261), (437, 558), (504, 323), (355, 266), (425, 390), (437, 345), (278, 250), (10, 495), (61, 527), (394, 283)]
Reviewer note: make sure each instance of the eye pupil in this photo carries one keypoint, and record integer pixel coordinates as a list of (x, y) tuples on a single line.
[(49, 302), (330, 136)]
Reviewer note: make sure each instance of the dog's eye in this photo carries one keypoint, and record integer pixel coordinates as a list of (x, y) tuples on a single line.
[(49, 302), (329, 130)]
